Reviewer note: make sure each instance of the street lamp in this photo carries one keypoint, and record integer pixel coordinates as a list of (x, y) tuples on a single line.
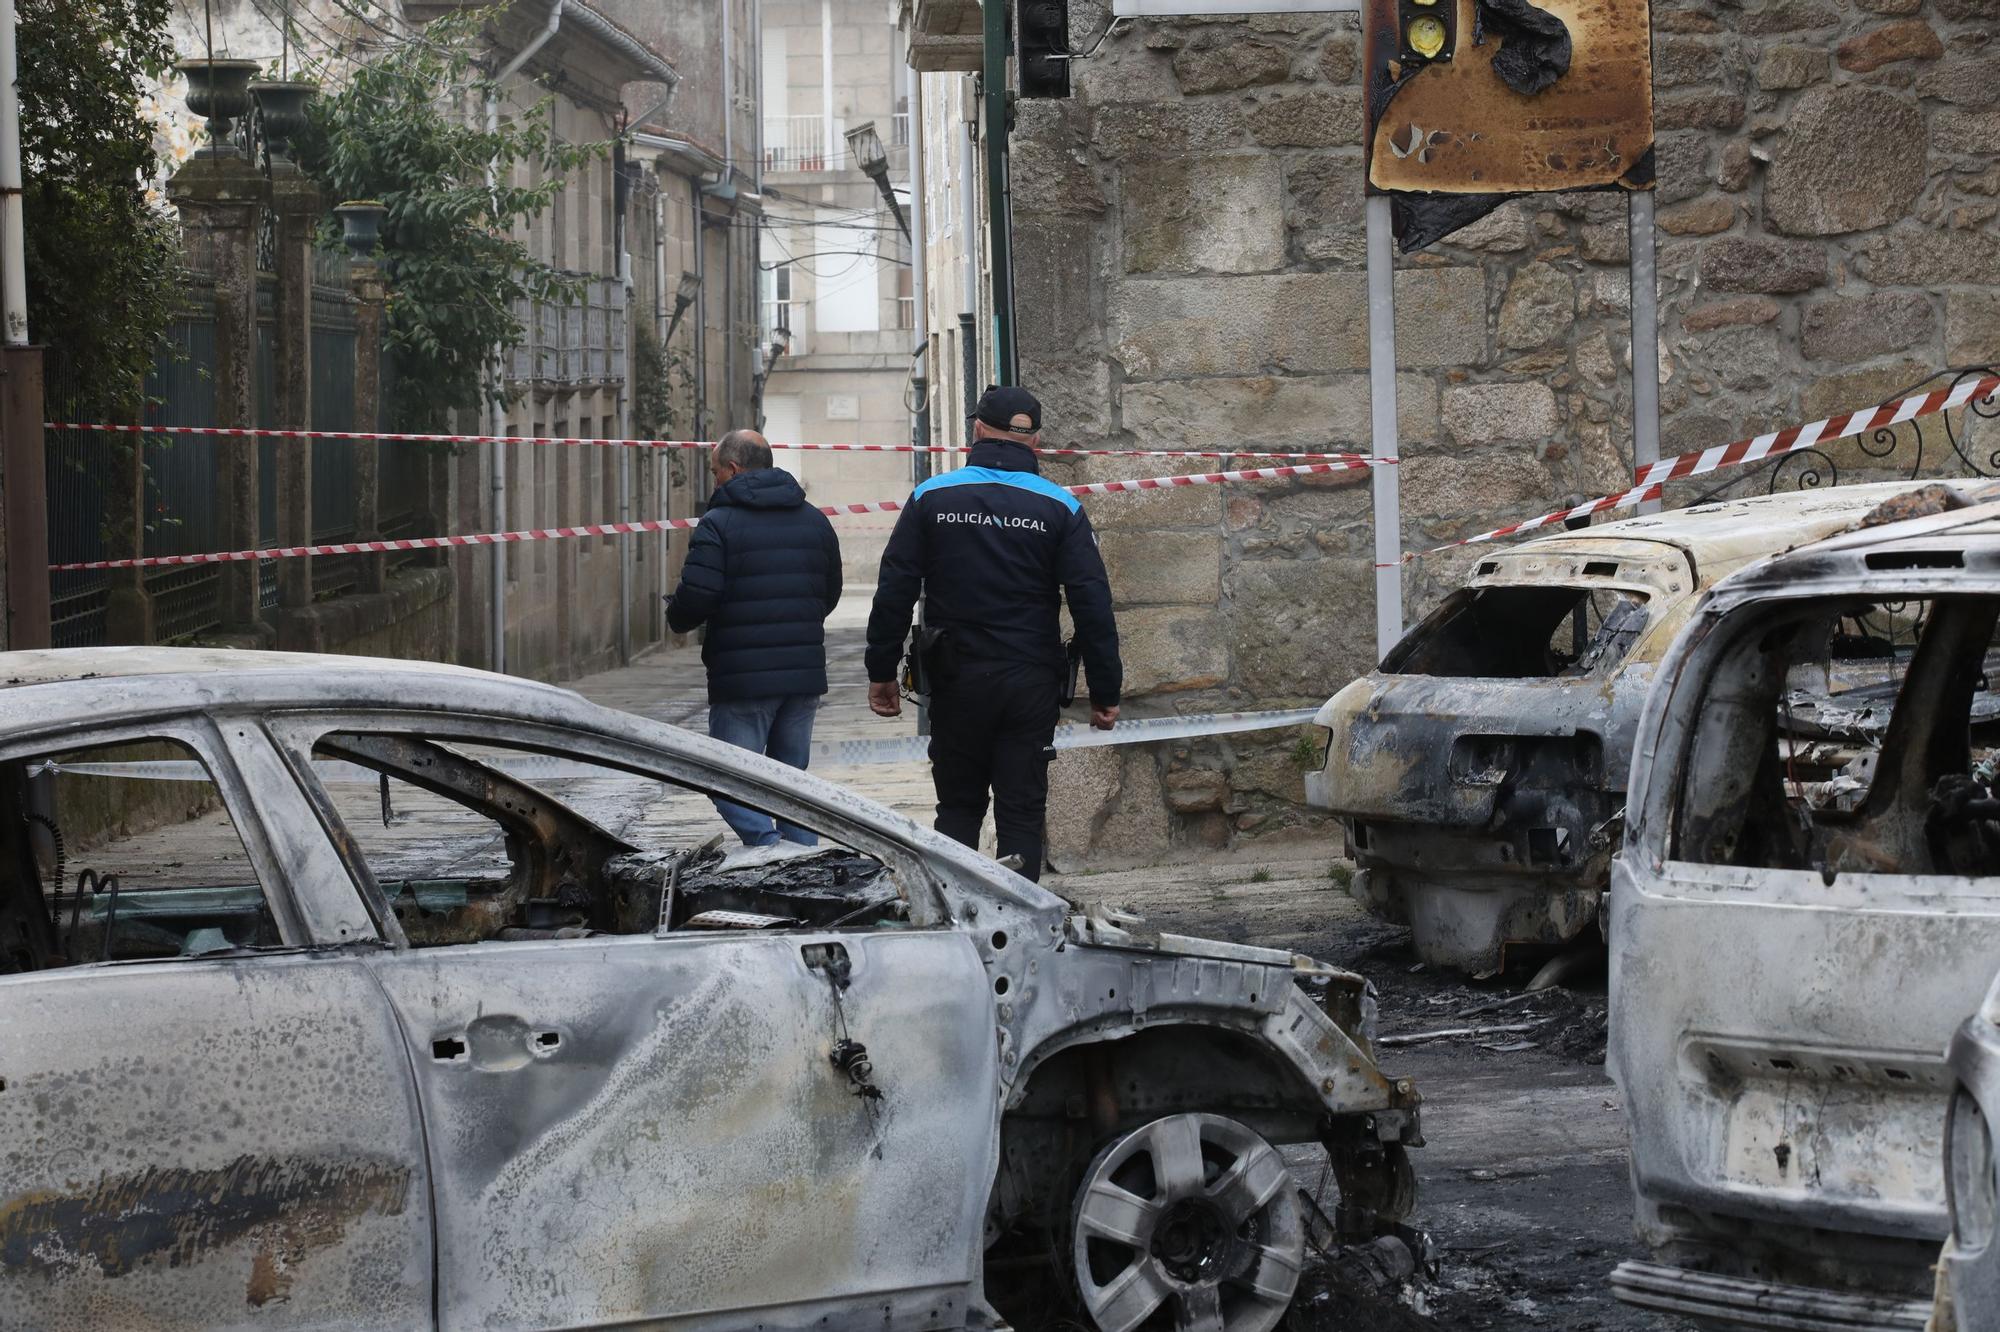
[(683, 297), (873, 160)]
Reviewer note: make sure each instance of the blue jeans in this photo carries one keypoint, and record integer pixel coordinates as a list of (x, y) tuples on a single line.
[(780, 727)]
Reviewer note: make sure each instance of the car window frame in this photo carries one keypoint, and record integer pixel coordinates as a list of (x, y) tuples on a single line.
[(205, 737), (1674, 715), (295, 734)]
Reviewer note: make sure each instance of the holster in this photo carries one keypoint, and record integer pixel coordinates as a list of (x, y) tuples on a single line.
[(932, 661), (1073, 661)]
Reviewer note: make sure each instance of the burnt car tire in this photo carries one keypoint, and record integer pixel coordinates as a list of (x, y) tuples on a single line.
[(1190, 1222)]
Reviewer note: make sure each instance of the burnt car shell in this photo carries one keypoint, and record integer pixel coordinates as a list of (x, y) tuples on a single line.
[(623, 1122), (1479, 773), (1784, 976)]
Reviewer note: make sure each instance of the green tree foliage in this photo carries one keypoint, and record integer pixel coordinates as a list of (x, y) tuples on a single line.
[(661, 382), (408, 129), (103, 263)]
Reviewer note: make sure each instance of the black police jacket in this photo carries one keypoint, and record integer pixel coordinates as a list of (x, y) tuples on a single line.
[(763, 572), (994, 547)]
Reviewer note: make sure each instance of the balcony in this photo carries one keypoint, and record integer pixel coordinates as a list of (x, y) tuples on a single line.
[(801, 143), (574, 343), (947, 36), (790, 315)]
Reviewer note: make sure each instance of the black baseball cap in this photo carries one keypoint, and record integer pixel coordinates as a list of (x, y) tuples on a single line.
[(1005, 408)]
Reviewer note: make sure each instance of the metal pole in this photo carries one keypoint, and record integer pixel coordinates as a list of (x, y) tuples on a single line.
[(497, 631), (1382, 414), (1645, 337), (13, 250), (999, 207), (700, 322), (920, 432), (968, 291)]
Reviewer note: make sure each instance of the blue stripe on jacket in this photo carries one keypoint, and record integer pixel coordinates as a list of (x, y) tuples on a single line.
[(973, 476)]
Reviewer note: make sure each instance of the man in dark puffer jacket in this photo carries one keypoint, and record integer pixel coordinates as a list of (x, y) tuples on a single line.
[(763, 572)]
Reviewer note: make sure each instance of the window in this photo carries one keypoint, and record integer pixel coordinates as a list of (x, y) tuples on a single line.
[(1524, 633), (1849, 736), (846, 280), (480, 843), (906, 299), (782, 309), (123, 853)]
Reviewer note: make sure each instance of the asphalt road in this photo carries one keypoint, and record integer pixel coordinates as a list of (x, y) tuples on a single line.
[(1523, 1178)]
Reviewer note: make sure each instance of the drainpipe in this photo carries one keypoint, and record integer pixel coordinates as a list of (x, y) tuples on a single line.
[(968, 284), (13, 262), (999, 203), (920, 461), (497, 652), (729, 348), (700, 323), (757, 118), (729, 91), (660, 465)]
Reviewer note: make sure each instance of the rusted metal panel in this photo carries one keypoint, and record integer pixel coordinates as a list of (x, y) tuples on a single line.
[(209, 1144), (1472, 120)]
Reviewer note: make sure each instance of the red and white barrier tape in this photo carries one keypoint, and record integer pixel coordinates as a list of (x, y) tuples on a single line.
[(1648, 481), (663, 524), (574, 441)]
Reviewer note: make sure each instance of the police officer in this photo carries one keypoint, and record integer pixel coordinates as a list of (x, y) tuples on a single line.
[(993, 547)]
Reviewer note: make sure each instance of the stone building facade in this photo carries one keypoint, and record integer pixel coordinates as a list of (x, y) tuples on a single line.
[(1189, 246), (837, 286), (675, 192)]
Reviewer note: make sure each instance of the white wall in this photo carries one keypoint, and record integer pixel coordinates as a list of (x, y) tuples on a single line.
[(847, 295)]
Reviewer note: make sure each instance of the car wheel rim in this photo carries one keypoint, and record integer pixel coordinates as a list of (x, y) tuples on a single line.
[(1189, 1222)]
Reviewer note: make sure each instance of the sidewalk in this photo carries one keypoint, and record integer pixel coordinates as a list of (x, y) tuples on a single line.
[(669, 685)]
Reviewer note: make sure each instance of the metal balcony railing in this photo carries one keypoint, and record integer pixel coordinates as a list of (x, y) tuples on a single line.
[(575, 342), (799, 143)]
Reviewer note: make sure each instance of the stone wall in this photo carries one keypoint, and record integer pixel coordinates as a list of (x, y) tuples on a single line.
[(1189, 227)]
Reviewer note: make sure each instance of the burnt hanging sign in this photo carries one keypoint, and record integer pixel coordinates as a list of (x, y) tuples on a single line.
[(1472, 101)]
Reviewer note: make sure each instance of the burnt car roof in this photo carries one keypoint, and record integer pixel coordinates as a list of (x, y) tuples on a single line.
[(59, 665), (1954, 544), (1723, 536)]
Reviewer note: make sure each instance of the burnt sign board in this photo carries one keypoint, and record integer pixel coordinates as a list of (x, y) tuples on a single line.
[(1470, 101)]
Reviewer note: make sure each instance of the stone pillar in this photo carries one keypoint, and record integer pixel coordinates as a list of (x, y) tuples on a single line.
[(368, 301), (220, 197), (297, 206)]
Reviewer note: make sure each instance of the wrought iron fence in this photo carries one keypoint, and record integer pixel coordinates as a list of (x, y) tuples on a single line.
[(1874, 452), (176, 499)]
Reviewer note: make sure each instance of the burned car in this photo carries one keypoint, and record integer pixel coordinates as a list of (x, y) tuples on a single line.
[(382, 994), (1480, 770), (1806, 905), (1969, 1282)]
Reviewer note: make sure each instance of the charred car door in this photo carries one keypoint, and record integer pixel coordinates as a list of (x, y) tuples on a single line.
[(629, 1120), (207, 1115)]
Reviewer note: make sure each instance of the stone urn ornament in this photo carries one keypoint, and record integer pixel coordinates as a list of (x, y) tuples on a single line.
[(361, 226), (281, 109), (218, 92)]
